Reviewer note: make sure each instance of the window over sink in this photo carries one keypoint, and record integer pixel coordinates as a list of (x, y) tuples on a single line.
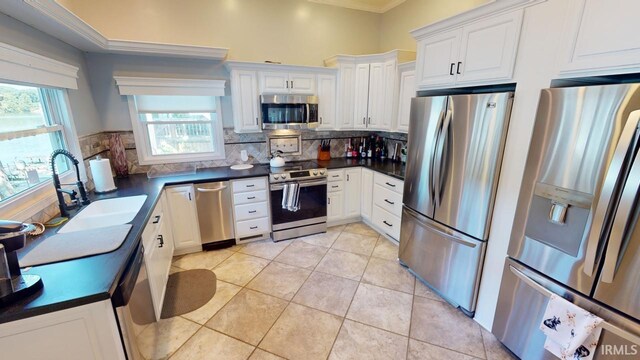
[(175, 120), (32, 126)]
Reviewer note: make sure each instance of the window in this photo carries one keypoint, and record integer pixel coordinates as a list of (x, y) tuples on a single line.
[(31, 128), (178, 128), (175, 120)]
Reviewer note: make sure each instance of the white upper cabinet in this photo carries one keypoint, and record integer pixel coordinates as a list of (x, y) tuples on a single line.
[(407, 92), (361, 98), (368, 89), (436, 56), (601, 38), (245, 102), (272, 82), (479, 52), (326, 102)]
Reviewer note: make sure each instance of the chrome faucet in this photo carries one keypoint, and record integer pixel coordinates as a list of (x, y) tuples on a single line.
[(62, 204)]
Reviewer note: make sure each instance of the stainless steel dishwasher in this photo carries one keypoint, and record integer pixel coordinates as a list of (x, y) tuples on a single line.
[(215, 214)]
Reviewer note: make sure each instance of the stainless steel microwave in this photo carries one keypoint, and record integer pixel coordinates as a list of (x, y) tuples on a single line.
[(289, 111)]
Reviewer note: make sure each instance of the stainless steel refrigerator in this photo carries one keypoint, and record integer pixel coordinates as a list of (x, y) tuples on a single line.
[(575, 232), (455, 150)]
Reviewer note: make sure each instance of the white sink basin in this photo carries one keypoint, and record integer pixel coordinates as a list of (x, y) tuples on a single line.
[(103, 213)]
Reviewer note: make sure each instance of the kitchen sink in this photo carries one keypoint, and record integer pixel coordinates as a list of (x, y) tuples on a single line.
[(103, 213)]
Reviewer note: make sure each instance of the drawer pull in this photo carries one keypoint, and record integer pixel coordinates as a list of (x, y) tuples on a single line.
[(392, 185), (253, 211), (335, 176), (250, 197), (389, 202), (156, 219), (386, 223), (250, 185), (253, 227), (335, 186)]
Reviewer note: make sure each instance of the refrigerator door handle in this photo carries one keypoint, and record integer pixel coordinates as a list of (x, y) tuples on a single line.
[(621, 221), (439, 231), (432, 191), (439, 154), (547, 293), (612, 178)]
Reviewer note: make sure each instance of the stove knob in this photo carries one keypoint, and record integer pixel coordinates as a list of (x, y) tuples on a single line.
[(276, 177), (321, 172), (315, 173), (284, 176)]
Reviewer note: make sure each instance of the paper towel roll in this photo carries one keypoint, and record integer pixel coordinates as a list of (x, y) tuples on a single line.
[(102, 177)]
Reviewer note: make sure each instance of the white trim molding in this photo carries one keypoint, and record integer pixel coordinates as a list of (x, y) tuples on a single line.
[(257, 66), (361, 5), (27, 67), (167, 86), (52, 18), (494, 7)]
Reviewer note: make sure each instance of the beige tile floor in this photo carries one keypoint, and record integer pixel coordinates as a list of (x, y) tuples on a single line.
[(339, 295)]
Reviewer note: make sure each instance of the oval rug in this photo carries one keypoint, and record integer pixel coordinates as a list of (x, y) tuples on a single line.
[(187, 291)]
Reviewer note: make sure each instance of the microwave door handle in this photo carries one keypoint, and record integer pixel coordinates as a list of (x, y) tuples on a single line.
[(621, 222), (612, 178)]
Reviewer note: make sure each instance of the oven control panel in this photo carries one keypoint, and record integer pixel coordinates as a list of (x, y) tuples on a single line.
[(293, 175)]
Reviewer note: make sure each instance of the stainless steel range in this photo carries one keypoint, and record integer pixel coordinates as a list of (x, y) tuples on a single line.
[(298, 200)]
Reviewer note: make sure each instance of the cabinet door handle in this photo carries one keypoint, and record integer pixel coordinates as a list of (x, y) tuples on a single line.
[(389, 202), (189, 195), (329, 201), (392, 185), (364, 120), (161, 239), (386, 223), (256, 121), (320, 119), (156, 219), (292, 84), (287, 83), (253, 227), (458, 68), (253, 211), (250, 197), (451, 68), (369, 121), (347, 177)]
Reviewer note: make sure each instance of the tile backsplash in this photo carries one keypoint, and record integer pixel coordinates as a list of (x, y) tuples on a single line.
[(254, 144)]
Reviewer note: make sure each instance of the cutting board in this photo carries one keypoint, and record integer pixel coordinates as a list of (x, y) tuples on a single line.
[(75, 245)]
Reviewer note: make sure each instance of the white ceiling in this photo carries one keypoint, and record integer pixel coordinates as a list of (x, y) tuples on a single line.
[(377, 6)]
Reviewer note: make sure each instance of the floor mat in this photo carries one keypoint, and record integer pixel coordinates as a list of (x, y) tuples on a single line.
[(187, 291)]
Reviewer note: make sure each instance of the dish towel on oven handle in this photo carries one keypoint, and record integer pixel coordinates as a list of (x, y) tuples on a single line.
[(572, 332), (291, 197)]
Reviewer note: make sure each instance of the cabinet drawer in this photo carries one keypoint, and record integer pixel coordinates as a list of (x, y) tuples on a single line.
[(335, 186), (252, 227), (388, 200), (251, 211), (250, 197), (335, 175), (249, 185), (388, 182), (387, 223)]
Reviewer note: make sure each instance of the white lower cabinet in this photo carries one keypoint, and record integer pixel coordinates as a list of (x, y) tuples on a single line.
[(386, 209), (157, 239), (352, 191), (366, 195), (335, 206), (251, 209), (183, 213), (386, 222), (78, 333)]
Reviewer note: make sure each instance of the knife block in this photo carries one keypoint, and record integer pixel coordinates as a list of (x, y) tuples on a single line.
[(323, 155)]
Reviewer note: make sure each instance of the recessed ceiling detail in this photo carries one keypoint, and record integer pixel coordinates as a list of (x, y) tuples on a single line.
[(376, 6)]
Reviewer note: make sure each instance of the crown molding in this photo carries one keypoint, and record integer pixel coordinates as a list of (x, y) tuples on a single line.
[(129, 85), (400, 55), (24, 66), (247, 65), (494, 7), (52, 18), (359, 5)]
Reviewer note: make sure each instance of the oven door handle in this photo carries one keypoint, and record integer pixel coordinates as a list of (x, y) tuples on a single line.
[(302, 184)]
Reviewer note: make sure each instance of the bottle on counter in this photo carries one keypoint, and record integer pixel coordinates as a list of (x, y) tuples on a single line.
[(363, 153), (349, 149), (371, 147), (383, 150)]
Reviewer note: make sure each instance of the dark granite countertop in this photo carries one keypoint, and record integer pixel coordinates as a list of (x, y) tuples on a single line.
[(94, 278), (386, 167)]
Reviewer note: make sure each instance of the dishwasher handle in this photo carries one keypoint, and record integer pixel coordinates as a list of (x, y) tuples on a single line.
[(205, 190)]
